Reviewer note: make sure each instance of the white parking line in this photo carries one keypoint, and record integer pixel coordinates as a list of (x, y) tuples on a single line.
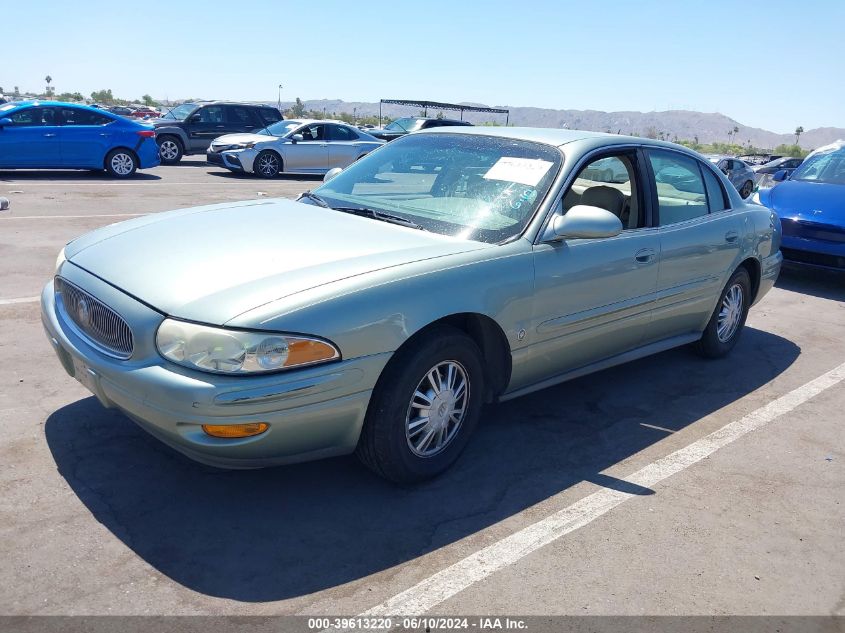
[(59, 217), (6, 302), (444, 584)]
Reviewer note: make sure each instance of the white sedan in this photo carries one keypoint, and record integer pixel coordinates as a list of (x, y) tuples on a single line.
[(299, 146)]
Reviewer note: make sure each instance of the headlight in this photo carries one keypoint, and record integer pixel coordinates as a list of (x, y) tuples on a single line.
[(60, 259), (224, 351), (248, 145)]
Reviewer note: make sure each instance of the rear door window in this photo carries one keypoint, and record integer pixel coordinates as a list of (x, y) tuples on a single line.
[(238, 116), (341, 133), (76, 116), (678, 186)]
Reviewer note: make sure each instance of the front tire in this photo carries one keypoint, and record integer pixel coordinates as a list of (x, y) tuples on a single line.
[(267, 164), (121, 163), (728, 319), (424, 408), (170, 150)]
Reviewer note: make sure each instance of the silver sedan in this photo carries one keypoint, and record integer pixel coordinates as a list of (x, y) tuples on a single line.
[(300, 146)]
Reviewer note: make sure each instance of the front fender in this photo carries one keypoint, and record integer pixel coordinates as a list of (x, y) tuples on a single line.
[(377, 312), (173, 130)]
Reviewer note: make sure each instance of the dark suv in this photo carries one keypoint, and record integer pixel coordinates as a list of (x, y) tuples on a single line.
[(401, 127), (190, 127)]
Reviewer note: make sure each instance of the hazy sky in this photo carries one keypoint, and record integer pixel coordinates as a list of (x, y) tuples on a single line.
[(772, 64)]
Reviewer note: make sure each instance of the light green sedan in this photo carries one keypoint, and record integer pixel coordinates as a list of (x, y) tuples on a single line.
[(380, 312)]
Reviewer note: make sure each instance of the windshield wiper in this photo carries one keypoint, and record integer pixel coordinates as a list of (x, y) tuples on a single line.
[(379, 215), (362, 211), (317, 199)]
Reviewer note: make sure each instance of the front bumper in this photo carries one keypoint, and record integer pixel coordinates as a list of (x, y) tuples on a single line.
[(813, 244), (239, 159), (313, 412)]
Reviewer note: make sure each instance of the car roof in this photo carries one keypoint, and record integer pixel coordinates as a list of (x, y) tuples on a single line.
[(549, 136), (216, 102)]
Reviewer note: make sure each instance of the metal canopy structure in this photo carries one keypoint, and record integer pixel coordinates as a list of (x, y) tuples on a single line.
[(437, 105)]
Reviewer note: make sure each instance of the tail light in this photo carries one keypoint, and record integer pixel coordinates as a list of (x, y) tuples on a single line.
[(146, 133)]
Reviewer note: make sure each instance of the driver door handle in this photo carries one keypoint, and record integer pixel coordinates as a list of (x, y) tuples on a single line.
[(645, 255), (49, 134)]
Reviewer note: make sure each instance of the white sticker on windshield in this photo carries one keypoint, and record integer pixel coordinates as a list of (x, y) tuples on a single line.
[(525, 171)]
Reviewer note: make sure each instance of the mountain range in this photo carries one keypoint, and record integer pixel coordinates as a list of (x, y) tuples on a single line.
[(673, 124)]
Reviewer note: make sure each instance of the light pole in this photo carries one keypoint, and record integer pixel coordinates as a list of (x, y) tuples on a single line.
[(280, 97)]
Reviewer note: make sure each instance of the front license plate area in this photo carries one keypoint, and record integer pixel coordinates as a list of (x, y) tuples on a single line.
[(85, 376)]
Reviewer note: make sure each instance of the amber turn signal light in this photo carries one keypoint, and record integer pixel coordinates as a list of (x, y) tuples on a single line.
[(231, 431)]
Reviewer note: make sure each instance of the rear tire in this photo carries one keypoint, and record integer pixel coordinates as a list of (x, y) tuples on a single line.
[(170, 150), (746, 189), (268, 164), (121, 163), (728, 319), (424, 408)]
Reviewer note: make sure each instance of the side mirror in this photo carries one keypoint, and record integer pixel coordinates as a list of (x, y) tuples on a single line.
[(296, 138), (196, 118), (334, 171), (779, 176), (584, 222), (5, 121)]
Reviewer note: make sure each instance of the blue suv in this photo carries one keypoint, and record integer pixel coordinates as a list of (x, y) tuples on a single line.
[(54, 135)]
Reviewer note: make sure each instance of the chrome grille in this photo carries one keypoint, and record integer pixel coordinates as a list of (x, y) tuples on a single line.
[(104, 328)]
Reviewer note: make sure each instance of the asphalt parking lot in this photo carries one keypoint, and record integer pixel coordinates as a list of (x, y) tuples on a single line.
[(671, 485)]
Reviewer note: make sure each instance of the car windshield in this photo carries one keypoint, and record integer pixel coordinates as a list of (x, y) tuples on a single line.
[(408, 124), (825, 166), (181, 112), (280, 128), (473, 187)]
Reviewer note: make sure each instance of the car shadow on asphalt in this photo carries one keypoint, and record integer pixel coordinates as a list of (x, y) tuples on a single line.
[(277, 533), (225, 173), (64, 175), (818, 282)]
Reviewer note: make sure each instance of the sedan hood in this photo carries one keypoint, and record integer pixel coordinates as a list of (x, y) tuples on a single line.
[(244, 137), (210, 264), (800, 200)]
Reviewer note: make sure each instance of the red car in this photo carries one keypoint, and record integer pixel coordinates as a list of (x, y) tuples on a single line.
[(144, 111)]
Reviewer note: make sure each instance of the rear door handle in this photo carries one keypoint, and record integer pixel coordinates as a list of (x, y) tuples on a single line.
[(645, 255), (731, 236), (49, 134)]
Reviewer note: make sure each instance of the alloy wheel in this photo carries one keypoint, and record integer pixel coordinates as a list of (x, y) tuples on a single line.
[(168, 150), (122, 164), (268, 165)]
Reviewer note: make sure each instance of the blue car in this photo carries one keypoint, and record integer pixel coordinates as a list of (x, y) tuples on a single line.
[(54, 135), (811, 206)]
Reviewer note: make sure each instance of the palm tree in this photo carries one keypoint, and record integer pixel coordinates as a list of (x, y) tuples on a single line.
[(798, 132), (730, 133), (735, 131), (49, 80)]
